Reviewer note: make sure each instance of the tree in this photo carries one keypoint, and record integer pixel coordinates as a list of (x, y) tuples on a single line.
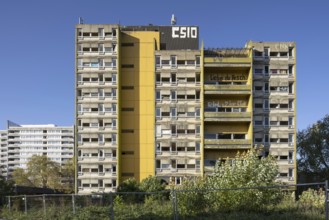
[(246, 170), (6, 187), (40, 172), (313, 149), (151, 184), (67, 172)]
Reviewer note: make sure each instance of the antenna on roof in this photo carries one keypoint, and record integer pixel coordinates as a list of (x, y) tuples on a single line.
[(173, 19), (80, 20)]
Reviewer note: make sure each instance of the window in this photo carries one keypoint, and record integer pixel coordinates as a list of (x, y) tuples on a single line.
[(197, 95), (197, 112), (101, 32), (266, 87), (291, 88), (127, 87), (283, 54), (290, 70), (258, 53), (291, 173), (291, 104), (197, 77), (157, 95), (158, 112), (173, 61), (258, 88), (173, 78), (266, 138), (197, 147), (173, 147), (291, 52), (80, 62), (266, 103), (266, 51), (258, 105), (127, 109), (158, 78), (197, 164), (127, 44), (177, 180), (114, 107), (258, 140), (158, 130), (266, 70), (158, 61), (291, 122), (258, 71), (258, 123), (100, 47), (197, 60), (127, 65), (173, 130), (79, 31), (173, 95), (127, 131), (101, 138), (173, 112), (158, 164), (197, 129), (266, 121)]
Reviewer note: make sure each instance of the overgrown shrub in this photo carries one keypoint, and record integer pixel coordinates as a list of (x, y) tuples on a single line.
[(311, 199)]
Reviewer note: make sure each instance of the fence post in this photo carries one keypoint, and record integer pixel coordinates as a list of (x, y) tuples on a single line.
[(25, 204), (174, 198), (9, 204), (73, 203), (44, 204), (326, 202), (111, 207)]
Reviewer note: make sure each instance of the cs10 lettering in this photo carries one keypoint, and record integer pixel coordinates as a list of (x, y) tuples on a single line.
[(184, 32)]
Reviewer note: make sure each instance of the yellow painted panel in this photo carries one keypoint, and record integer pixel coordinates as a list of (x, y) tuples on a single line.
[(127, 80), (142, 56), (127, 95), (127, 103), (127, 139), (129, 165), (227, 127), (128, 123)]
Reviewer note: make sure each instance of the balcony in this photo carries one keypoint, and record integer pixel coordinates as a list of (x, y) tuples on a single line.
[(212, 114), (214, 88), (215, 141), (227, 57)]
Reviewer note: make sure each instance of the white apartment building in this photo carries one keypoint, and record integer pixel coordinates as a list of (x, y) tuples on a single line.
[(20, 142)]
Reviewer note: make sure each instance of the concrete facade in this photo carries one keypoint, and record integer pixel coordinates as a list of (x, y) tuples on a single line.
[(274, 67), (143, 109)]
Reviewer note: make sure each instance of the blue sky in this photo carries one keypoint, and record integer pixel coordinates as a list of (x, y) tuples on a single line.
[(37, 46)]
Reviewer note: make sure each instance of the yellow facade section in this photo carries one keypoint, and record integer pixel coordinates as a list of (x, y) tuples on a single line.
[(137, 92), (227, 87)]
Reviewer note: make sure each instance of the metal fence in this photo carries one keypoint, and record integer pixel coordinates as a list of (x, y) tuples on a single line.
[(264, 202)]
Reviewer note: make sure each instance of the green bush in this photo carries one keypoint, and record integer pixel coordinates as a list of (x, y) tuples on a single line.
[(311, 199), (214, 194)]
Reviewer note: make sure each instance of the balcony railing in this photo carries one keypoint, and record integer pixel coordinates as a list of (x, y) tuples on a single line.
[(215, 113), (214, 141), (229, 88)]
